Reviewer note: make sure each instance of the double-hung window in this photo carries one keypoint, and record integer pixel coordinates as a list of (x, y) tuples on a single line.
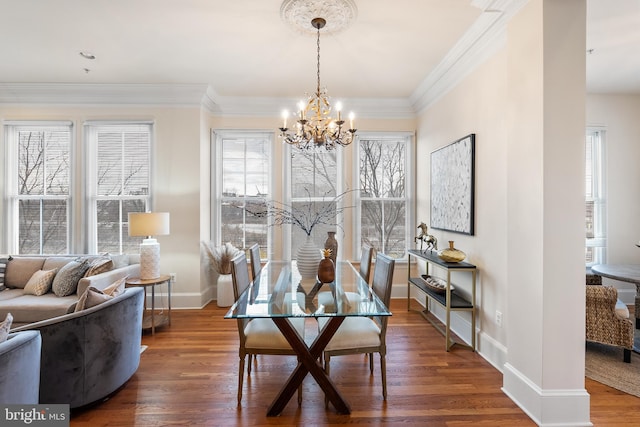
[(595, 226), (242, 185), (385, 201), (38, 187), (119, 182), (315, 183)]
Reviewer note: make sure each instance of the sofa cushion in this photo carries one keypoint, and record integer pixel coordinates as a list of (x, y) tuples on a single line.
[(31, 308), (57, 262), (20, 270), (5, 326), (66, 281), (40, 282), (9, 293)]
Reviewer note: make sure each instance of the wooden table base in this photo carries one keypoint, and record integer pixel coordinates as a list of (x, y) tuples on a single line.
[(308, 363)]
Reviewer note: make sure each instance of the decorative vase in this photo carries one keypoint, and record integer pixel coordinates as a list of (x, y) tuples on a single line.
[(326, 268), (451, 254), (332, 243), (308, 258), (224, 291)]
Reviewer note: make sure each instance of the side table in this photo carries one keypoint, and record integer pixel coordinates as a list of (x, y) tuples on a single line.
[(153, 320)]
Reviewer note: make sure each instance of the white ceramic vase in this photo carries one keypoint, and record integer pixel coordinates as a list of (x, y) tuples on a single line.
[(308, 258), (225, 290)]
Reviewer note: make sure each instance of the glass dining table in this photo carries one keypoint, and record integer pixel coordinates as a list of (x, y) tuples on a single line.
[(280, 294)]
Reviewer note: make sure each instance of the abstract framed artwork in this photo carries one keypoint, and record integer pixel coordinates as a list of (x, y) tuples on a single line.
[(452, 186)]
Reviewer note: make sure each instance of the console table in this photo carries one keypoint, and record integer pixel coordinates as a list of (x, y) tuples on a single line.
[(450, 299)]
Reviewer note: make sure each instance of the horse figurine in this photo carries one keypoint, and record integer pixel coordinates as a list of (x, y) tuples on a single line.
[(425, 237)]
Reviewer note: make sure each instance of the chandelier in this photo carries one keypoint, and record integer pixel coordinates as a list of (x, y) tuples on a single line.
[(314, 126)]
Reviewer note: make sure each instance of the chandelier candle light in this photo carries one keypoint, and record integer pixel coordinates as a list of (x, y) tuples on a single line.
[(314, 126), (147, 224)]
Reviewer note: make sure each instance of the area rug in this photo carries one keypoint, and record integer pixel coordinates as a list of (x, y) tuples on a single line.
[(604, 364)]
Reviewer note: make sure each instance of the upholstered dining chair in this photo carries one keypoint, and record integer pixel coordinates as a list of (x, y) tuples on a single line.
[(362, 334), (256, 265), (365, 262), (258, 336)]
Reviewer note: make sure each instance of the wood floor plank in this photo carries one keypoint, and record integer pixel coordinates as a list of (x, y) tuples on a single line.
[(189, 376)]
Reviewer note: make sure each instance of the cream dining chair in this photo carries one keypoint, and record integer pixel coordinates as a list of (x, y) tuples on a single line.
[(258, 336), (362, 334), (256, 264)]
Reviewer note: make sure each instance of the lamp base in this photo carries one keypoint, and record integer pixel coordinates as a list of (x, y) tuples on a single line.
[(149, 259)]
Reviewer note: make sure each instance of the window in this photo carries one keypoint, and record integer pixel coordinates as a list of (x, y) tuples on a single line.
[(595, 233), (119, 183), (314, 185), (39, 187), (384, 200), (243, 180)]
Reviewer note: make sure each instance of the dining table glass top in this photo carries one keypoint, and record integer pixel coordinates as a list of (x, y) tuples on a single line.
[(279, 291)]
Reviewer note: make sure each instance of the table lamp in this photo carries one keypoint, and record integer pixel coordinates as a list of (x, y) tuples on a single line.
[(147, 224)]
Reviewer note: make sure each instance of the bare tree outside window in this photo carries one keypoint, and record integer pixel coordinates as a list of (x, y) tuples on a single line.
[(382, 173), (43, 189), (123, 178), (313, 184), (244, 177)]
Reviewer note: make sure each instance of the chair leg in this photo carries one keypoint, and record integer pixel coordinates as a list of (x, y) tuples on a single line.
[(240, 378), (249, 365), (371, 363), (627, 355), (383, 370)]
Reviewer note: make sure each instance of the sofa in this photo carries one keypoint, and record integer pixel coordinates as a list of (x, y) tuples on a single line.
[(89, 354), (28, 308), (20, 368)]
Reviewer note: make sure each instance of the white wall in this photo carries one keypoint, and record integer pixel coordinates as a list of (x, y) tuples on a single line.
[(525, 105), (477, 105), (619, 115)]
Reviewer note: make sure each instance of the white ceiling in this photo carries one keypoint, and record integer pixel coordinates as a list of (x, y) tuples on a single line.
[(241, 48)]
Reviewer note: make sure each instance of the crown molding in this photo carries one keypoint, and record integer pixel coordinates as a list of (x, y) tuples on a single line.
[(485, 37), (101, 94)]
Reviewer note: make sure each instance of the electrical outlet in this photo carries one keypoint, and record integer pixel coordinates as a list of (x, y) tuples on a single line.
[(173, 277), (498, 318)]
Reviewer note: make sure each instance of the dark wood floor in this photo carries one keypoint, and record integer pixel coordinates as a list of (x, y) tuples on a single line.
[(188, 376)]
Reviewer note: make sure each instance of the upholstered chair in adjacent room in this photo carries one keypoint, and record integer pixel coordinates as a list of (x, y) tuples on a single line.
[(362, 334), (607, 319), (258, 336)]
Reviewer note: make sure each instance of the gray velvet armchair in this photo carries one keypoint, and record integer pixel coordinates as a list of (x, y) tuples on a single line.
[(20, 368)]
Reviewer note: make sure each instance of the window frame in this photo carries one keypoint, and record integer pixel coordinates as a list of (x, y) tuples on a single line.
[(11, 196), (90, 182), (217, 137), (598, 190), (410, 202)]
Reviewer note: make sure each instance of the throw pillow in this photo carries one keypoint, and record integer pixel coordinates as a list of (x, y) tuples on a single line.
[(99, 265), (3, 267), (66, 281), (92, 296), (5, 326), (40, 282)]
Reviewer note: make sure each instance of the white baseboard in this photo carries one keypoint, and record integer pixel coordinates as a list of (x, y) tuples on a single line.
[(547, 408)]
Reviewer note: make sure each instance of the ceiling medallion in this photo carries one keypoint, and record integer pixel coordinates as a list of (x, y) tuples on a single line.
[(339, 14)]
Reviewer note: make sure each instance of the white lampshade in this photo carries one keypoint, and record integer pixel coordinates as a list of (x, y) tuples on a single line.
[(143, 224), (149, 224)]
